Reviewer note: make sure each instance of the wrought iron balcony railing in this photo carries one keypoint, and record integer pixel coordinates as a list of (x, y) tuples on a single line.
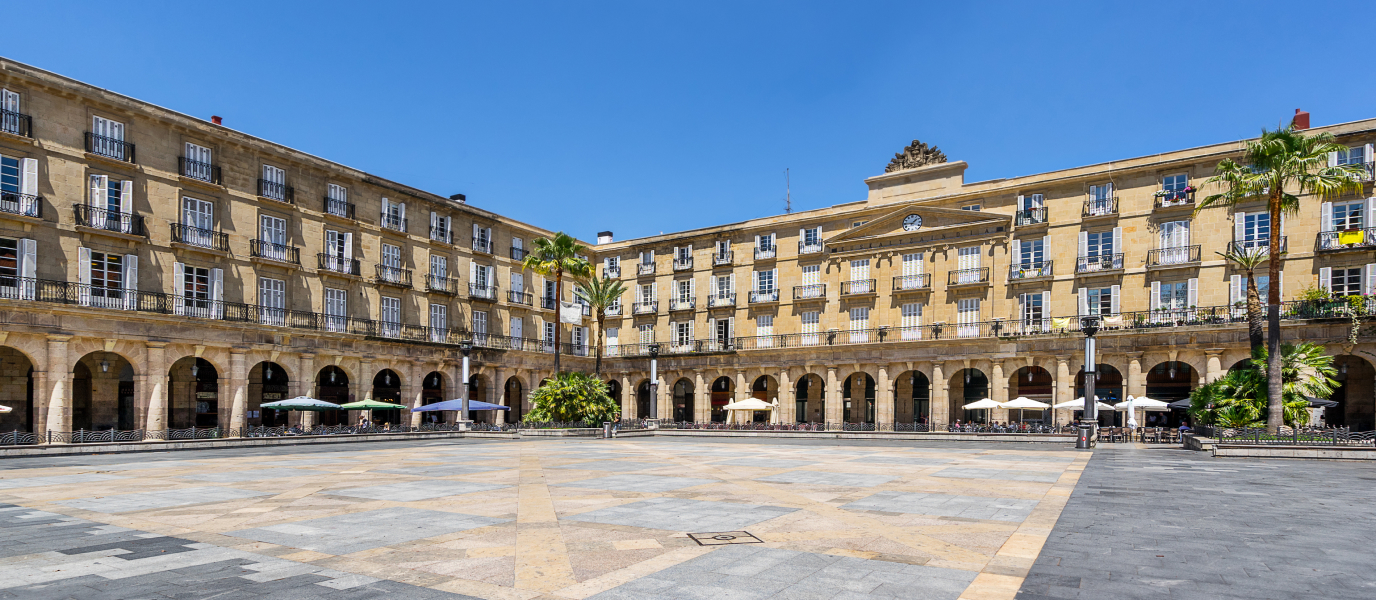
[(482, 244), (442, 284), (1031, 216), (338, 264), (394, 222), (1100, 207), (612, 272), (908, 283), (812, 248), (200, 171), (645, 268), (201, 238), (109, 220), (109, 147), (683, 264), (968, 276), (678, 304), (722, 258), (859, 287), (273, 251), (1180, 255), (518, 253), (339, 208), (389, 275), (482, 292), (645, 308), (1102, 262), (1174, 199), (273, 190), (1263, 245), (764, 253), (24, 205), (614, 310), (1350, 239), (1029, 270), (16, 123), (522, 298), (720, 299), (814, 291), (548, 302), (441, 234), (763, 296)]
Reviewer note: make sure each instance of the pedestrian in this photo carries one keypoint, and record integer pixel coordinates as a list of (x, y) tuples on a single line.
[(616, 424)]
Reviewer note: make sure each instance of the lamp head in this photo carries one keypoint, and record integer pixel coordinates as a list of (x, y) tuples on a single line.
[(1089, 325), (105, 366), (654, 351), (466, 347)]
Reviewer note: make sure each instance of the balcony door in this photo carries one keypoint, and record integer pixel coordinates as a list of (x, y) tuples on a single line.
[(273, 233), (967, 262), (1175, 242)]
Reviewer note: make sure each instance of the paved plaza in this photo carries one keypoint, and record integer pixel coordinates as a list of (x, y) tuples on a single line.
[(797, 519)]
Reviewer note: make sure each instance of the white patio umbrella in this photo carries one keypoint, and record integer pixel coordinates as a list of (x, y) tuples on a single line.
[(1079, 404), (749, 404), (5, 409), (1144, 403), (984, 404), (774, 412), (1023, 402)]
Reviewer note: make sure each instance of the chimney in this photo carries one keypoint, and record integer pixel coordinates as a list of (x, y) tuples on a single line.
[(216, 120), (1301, 120), (604, 237), (460, 198)]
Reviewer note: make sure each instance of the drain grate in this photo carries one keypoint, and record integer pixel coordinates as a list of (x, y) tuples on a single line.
[(724, 538)]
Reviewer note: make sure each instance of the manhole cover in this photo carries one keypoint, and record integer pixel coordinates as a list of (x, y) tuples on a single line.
[(725, 537)]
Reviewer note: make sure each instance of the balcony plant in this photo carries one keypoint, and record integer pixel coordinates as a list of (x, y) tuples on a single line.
[(1284, 165)]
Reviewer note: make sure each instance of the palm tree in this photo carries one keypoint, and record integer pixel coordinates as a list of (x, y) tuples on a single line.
[(557, 257), (1275, 165), (1249, 259), (600, 293)]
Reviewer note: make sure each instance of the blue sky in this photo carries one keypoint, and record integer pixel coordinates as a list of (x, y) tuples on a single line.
[(642, 117)]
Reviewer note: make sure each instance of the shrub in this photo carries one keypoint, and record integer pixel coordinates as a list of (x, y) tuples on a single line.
[(572, 397)]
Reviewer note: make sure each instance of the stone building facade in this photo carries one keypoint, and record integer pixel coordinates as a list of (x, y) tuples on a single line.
[(160, 271)]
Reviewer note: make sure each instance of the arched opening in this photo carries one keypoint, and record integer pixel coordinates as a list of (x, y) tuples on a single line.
[(642, 400), (514, 397), (103, 393), (765, 389), (1033, 383), (193, 394), (912, 398), (267, 382), (683, 400), (614, 390), (432, 391), (332, 384), (967, 386), (1168, 382), (477, 390), (857, 394), (1356, 407), (1108, 386), (386, 388), (810, 399), (16, 391), (723, 392)]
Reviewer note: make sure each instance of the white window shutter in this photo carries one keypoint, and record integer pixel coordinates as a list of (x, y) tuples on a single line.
[(100, 191), (434, 219), (28, 268), (775, 277), (1326, 215), (693, 289), (757, 241), (217, 285), (1084, 302), (1046, 307), (1367, 154), (1326, 278), (1235, 292), (732, 284), (1046, 248), (126, 197), (802, 237), (1332, 159), (1113, 302), (29, 184), (348, 249), (1368, 222), (1117, 241), (1185, 230), (448, 229), (84, 273), (472, 272), (712, 289), (131, 281), (1370, 279), (401, 209), (1020, 204), (1084, 244), (1155, 300), (1017, 251), (1239, 226), (1022, 307), (1192, 291)]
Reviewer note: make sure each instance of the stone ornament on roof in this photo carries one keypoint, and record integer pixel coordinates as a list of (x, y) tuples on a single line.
[(917, 154)]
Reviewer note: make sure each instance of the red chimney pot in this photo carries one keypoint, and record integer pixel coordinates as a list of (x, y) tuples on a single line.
[(216, 120), (1301, 120)]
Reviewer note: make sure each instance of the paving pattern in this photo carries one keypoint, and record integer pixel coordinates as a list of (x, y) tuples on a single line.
[(528, 520)]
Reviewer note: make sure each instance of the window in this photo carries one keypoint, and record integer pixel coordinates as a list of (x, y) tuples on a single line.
[(1100, 300), (439, 322), (439, 267), (1175, 242), (1030, 201), (723, 286), (198, 163), (391, 256), (518, 328), (1348, 215), (550, 288), (439, 227), (1256, 230), (1346, 282), (580, 340), (1355, 155), (810, 322), (272, 300), (482, 238), (812, 275), (912, 264), (683, 334), (10, 269), (683, 253), (1100, 200), (857, 224), (390, 317), (970, 207), (1174, 188), (1033, 310), (549, 335), (107, 138), (1032, 251), (196, 292), (106, 272), (1099, 243), (646, 293), (647, 334), (9, 175), (1174, 295), (811, 240), (725, 328), (765, 243), (10, 119), (482, 276), (479, 323), (272, 232), (647, 258), (764, 325), (394, 215), (683, 291), (859, 324), (911, 314), (612, 267), (967, 263), (337, 201), (967, 317), (860, 276), (336, 309), (199, 218), (764, 281), (274, 184)]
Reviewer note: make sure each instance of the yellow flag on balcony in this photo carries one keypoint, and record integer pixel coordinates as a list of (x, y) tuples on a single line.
[(1060, 322), (1348, 238)]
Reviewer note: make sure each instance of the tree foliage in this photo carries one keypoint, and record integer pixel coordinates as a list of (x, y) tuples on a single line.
[(571, 397), (600, 293), (1240, 399), (557, 257)]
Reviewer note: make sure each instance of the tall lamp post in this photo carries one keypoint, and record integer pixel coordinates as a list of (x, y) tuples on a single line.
[(466, 347), (654, 382), (1090, 417)]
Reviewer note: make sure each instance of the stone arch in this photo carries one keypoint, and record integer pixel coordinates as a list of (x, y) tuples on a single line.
[(332, 385), (967, 386), (721, 391), (433, 388), (858, 392), (1169, 381), (1355, 395), (912, 397), (268, 382), (103, 392), (642, 399), (514, 396), (194, 393), (809, 397), (1108, 387), (386, 388), (17, 391), (683, 400)]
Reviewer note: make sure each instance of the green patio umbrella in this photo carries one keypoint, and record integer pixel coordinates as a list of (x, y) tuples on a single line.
[(301, 403), (371, 405)]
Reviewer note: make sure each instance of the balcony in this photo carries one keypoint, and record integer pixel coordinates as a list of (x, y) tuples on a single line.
[(15, 123), (645, 269), (273, 190), (1178, 256), (1264, 245), (440, 234), (482, 244), (107, 220), (815, 291), (478, 291), (548, 302), (1031, 216), (276, 252), (719, 300), (1165, 200), (683, 264), (339, 208), (338, 264), (679, 304), (395, 276), (912, 283), (393, 222), (200, 238), (721, 259), (520, 254), (978, 276), (200, 171), (1100, 207), (764, 254), (1029, 270), (441, 284), (521, 298), (859, 287), (1100, 263), (612, 272), (1350, 239), (613, 310), (111, 148), (764, 296), (809, 248), (645, 308)]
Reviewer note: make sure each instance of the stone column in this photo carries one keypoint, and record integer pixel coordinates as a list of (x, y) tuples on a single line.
[(156, 392), (1214, 367), (883, 398), (499, 392), (702, 399), (627, 398), (788, 401), (238, 390), (305, 386), (998, 389), (835, 408), (414, 399), (460, 387), (1065, 384), (940, 402), (1136, 384), (60, 380), (662, 399)]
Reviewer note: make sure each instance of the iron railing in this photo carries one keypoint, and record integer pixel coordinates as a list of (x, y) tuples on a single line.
[(614, 310), (763, 296), (764, 253), (683, 264), (968, 276), (201, 238), (645, 308), (680, 304), (481, 244), (1102, 262), (16, 123), (613, 272), (1252, 245), (274, 251), (482, 292), (548, 302), (720, 299), (645, 268), (200, 171), (859, 287), (109, 147), (520, 254), (722, 258), (1174, 199), (24, 205), (814, 291), (522, 298), (908, 283), (1030, 270), (1100, 207), (1031, 216), (1298, 436), (806, 248), (274, 190), (390, 275), (441, 234), (339, 208), (1180, 255), (1352, 239), (338, 264), (108, 220), (394, 222), (441, 284)]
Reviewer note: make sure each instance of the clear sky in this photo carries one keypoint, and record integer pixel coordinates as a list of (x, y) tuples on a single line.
[(642, 117)]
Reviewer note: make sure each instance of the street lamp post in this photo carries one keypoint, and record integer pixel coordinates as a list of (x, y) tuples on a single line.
[(654, 382), (466, 347), (1090, 417)]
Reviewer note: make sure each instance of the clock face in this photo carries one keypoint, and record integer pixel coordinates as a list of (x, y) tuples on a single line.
[(912, 222)]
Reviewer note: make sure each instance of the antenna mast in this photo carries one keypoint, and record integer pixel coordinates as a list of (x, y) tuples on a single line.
[(788, 193)]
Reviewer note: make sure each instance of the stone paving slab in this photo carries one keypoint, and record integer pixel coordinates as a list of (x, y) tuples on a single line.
[(824, 478), (251, 475), (999, 474), (161, 499), (439, 470), (28, 482), (766, 463), (637, 483), (411, 491), (916, 461), (681, 514), (946, 505), (354, 532), (611, 465)]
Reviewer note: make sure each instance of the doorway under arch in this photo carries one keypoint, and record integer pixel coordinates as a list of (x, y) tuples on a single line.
[(332, 385), (912, 398), (810, 399), (684, 408), (16, 391), (267, 382)]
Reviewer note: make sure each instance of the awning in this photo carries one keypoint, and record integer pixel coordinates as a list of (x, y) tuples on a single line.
[(750, 404), (300, 403), (458, 405), (371, 405)]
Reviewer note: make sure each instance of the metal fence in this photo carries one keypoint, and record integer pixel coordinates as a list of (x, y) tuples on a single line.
[(1298, 436)]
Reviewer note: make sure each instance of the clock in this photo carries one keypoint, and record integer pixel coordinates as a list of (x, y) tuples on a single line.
[(912, 222)]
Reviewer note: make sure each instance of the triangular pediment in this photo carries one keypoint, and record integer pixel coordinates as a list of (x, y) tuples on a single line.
[(947, 220)]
